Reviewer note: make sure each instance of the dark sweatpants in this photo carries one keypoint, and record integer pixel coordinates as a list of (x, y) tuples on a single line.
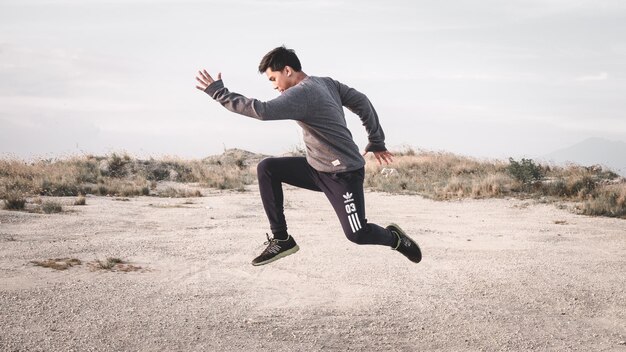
[(343, 190)]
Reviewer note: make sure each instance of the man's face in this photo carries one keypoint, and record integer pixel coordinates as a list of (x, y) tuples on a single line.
[(281, 80)]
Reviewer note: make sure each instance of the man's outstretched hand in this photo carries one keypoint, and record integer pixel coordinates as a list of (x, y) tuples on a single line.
[(385, 156), (204, 79)]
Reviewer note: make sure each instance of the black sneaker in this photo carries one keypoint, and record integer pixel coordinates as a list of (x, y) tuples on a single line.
[(406, 245), (276, 249)]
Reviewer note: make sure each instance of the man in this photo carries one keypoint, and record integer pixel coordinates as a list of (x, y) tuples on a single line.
[(333, 163)]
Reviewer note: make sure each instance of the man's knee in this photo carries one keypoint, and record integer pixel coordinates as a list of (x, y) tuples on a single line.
[(357, 237), (264, 167)]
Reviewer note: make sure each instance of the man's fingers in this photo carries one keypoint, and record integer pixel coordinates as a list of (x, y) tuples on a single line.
[(201, 88), (208, 76), (219, 76), (204, 77), (385, 156)]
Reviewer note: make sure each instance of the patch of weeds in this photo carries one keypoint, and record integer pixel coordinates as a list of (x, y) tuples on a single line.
[(14, 201), (113, 264), (122, 199), (81, 200), (58, 263), (609, 201), (117, 165), (560, 222), (7, 237), (15, 204), (102, 190), (525, 171), (51, 207), (109, 263), (171, 192), (167, 206)]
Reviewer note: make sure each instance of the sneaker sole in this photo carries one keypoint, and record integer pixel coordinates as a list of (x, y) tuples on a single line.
[(399, 229), (278, 256)]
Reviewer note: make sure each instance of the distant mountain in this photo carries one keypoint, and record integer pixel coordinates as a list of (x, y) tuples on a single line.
[(593, 151)]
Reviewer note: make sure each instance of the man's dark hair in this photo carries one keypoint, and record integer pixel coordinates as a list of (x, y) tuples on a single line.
[(278, 58)]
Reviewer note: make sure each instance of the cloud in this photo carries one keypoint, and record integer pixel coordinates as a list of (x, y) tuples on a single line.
[(602, 76)]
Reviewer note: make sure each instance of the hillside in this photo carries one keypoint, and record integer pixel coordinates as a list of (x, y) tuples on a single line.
[(593, 151)]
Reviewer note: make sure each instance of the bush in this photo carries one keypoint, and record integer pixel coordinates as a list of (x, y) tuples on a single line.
[(51, 207), (525, 171), (610, 201), (81, 200), (15, 203), (117, 165)]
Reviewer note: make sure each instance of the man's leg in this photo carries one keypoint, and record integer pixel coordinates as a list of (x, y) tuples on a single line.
[(345, 193), (272, 173)]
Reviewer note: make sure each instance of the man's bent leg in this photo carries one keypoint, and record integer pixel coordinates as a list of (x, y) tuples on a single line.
[(272, 173), (345, 193)]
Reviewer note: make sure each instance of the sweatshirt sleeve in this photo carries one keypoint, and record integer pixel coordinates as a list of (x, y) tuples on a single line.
[(291, 105), (359, 104)]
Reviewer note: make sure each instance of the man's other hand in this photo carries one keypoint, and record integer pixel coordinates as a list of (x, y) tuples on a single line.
[(204, 79), (385, 156)]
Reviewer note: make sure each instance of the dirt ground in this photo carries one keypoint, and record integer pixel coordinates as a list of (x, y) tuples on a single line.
[(496, 275)]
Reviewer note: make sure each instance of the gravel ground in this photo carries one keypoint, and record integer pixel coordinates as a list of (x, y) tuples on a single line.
[(497, 275)]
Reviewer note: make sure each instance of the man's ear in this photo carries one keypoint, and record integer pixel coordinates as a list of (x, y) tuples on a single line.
[(288, 71)]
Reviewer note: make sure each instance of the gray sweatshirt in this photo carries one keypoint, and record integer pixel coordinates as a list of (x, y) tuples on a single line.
[(316, 104)]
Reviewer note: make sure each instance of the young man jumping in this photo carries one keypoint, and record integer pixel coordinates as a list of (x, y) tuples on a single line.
[(333, 163)]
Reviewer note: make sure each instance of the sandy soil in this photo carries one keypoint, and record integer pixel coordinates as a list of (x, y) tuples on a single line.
[(497, 275)]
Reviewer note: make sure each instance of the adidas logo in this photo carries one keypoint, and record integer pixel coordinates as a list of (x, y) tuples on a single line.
[(348, 197)]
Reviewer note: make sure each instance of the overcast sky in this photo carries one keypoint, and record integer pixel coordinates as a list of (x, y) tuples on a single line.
[(484, 78)]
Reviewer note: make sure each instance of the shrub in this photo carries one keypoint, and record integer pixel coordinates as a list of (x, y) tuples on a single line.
[(610, 201), (51, 207), (15, 202), (109, 263), (525, 171), (171, 192), (113, 264), (117, 165), (13, 192), (81, 200), (58, 263)]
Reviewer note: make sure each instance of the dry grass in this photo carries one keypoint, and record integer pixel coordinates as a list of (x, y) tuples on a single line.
[(58, 263), (81, 200), (113, 264), (445, 176), (171, 192), (121, 175), (606, 201), (14, 201), (439, 176), (51, 207)]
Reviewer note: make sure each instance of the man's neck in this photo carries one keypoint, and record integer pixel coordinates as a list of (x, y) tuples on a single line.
[(299, 76)]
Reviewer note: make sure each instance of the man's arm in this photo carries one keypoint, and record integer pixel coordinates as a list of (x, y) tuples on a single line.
[(288, 106), (359, 104)]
